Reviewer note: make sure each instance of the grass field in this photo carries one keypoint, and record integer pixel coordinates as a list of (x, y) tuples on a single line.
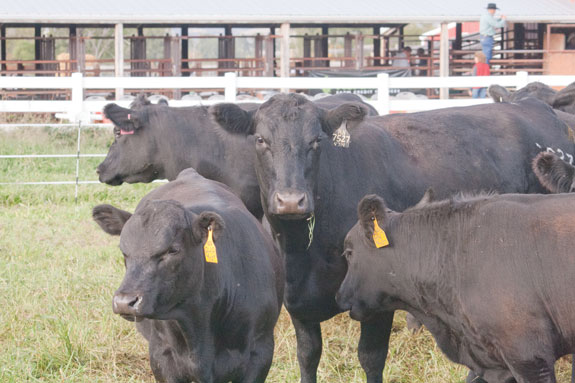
[(58, 272)]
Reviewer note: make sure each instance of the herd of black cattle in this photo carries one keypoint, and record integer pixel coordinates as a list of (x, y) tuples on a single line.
[(415, 214)]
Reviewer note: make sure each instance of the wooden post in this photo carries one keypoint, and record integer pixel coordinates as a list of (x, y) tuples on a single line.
[(347, 49), (325, 45), (458, 37), (3, 47), (119, 56), (306, 51), (376, 46), (185, 51), (285, 53), (444, 59), (259, 54), (269, 56), (37, 47), (80, 54), (359, 51)]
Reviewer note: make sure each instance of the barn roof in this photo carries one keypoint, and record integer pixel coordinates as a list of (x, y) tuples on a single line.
[(275, 11)]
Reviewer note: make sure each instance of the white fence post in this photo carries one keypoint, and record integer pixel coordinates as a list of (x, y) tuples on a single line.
[(77, 104), (522, 79), (383, 93), (231, 87)]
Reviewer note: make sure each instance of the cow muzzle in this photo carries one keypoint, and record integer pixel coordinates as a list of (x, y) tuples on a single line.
[(128, 305), (291, 203)]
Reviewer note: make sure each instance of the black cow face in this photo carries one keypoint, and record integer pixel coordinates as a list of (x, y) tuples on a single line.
[(357, 293), (131, 156), (163, 252), (555, 174), (287, 131)]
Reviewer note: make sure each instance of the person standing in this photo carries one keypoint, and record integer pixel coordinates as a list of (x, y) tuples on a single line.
[(481, 68), (488, 25)]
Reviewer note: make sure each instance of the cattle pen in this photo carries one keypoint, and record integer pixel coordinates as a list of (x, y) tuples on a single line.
[(63, 61)]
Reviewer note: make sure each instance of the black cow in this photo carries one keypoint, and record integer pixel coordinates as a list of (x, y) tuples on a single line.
[(155, 142), (564, 100), (554, 173), (205, 321), (304, 179), (489, 276)]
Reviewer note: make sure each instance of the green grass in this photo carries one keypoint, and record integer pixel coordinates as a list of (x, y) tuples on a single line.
[(58, 272)]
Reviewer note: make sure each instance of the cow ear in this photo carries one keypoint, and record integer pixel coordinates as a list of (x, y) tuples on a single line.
[(351, 114), (564, 97), (127, 120), (555, 175), (498, 93), (233, 119), (110, 218), (204, 222), (370, 208)]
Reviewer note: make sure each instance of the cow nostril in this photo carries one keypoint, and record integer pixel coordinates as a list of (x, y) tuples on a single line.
[(301, 201), (135, 302)]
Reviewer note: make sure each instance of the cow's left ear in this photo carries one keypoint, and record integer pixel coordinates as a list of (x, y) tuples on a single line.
[(127, 120), (370, 209), (352, 114), (206, 221)]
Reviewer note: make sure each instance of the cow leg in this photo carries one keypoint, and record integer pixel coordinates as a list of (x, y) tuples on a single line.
[(308, 336), (373, 346), (537, 370), (260, 362)]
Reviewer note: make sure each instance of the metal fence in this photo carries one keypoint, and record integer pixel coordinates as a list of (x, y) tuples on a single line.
[(77, 155), (78, 109)]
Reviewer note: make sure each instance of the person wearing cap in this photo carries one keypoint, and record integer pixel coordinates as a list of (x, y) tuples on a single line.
[(488, 25)]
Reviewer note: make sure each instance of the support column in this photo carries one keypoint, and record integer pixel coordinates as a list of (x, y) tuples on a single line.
[(3, 47), (185, 51), (458, 37), (444, 59), (376, 46), (37, 47), (119, 56), (325, 45), (285, 53)]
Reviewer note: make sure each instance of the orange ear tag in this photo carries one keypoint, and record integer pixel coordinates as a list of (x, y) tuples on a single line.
[(379, 237), (210, 248)]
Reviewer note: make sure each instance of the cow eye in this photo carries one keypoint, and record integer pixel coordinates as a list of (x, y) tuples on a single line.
[(315, 143), (347, 254), (173, 250), (260, 140), (117, 133)]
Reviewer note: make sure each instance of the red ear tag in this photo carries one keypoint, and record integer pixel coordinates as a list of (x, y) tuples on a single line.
[(124, 132)]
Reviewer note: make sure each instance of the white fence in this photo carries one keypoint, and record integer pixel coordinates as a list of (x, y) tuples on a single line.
[(79, 109)]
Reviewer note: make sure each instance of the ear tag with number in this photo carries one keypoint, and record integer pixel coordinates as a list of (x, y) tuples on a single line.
[(379, 237), (341, 136), (210, 248)]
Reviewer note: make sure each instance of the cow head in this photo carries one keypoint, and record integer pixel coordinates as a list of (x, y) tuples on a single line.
[(132, 156), (287, 130), (555, 175), (358, 293), (162, 243), (535, 89)]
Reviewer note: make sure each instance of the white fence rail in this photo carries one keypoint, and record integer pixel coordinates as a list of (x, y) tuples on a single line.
[(78, 109)]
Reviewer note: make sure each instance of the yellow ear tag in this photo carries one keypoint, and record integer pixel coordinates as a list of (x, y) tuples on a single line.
[(379, 237), (210, 248)]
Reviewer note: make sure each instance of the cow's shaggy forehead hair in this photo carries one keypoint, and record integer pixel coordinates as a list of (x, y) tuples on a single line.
[(286, 106), (154, 225)]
